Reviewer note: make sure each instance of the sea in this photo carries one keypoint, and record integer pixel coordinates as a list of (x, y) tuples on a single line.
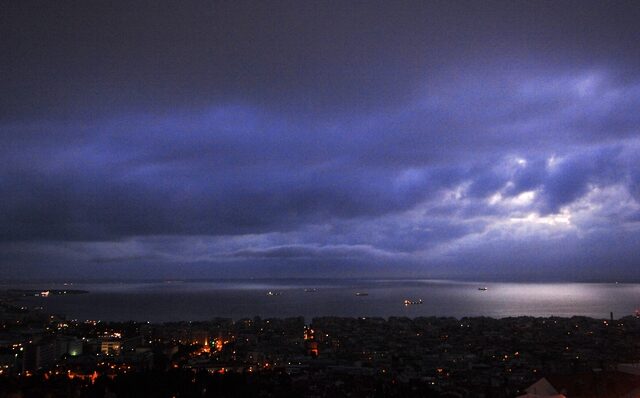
[(165, 301)]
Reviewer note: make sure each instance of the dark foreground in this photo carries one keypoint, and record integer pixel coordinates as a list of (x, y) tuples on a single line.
[(47, 356)]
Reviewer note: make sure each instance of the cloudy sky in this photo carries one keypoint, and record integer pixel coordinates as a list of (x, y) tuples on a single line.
[(489, 140)]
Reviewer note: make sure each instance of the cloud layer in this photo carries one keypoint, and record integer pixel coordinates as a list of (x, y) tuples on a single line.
[(453, 140)]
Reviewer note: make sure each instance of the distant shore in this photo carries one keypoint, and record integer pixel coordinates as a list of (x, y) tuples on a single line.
[(43, 293)]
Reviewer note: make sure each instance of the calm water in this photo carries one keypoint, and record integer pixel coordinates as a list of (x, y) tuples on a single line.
[(170, 301)]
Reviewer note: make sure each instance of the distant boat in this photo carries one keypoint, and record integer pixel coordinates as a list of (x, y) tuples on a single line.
[(483, 288), (270, 293), (311, 290), (411, 302), (362, 294)]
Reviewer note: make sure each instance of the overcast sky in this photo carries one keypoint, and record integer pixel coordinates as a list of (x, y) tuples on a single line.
[(488, 140)]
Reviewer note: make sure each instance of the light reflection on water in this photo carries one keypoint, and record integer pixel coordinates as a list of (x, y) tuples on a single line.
[(175, 300)]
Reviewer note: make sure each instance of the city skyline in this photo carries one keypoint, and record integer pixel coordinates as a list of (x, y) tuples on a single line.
[(493, 140)]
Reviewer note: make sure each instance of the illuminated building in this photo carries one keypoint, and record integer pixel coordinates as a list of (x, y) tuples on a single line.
[(308, 333), (219, 344), (110, 347), (312, 348), (206, 347)]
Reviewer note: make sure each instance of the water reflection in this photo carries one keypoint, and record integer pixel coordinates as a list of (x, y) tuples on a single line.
[(162, 301)]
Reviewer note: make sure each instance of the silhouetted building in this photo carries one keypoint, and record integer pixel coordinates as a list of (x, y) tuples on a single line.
[(39, 356)]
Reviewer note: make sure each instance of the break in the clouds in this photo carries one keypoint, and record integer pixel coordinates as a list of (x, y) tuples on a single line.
[(205, 139)]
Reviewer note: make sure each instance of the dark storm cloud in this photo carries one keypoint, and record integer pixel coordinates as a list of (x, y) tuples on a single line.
[(306, 251), (571, 178), (236, 132), (68, 59), (191, 185)]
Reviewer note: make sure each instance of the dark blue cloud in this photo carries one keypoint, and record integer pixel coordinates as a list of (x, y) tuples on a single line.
[(420, 138)]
